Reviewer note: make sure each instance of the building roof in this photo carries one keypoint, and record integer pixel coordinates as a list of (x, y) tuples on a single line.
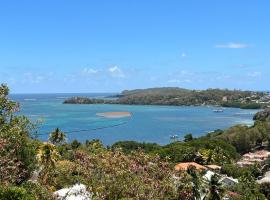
[(258, 154), (223, 179), (208, 175), (213, 167), (244, 163), (186, 165)]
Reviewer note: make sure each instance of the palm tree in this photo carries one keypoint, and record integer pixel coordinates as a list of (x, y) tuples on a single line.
[(57, 137), (216, 191), (47, 156), (197, 183)]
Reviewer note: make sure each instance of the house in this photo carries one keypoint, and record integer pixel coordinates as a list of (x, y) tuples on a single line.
[(76, 192), (225, 180), (186, 165), (225, 98), (265, 179), (253, 157), (208, 175), (228, 181), (263, 155)]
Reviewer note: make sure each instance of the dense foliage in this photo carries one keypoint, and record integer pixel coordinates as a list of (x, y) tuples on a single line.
[(202, 150), (245, 138), (262, 115), (129, 146), (33, 170), (238, 104), (17, 155), (83, 100), (177, 97)]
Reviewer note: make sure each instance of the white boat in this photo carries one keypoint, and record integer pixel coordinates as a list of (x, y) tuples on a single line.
[(218, 110)]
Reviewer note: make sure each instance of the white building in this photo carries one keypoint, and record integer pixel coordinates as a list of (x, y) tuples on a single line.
[(76, 192)]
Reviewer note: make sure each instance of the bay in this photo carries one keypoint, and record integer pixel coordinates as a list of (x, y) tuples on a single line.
[(147, 124)]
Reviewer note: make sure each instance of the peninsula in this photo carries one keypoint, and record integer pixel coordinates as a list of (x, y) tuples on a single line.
[(183, 97)]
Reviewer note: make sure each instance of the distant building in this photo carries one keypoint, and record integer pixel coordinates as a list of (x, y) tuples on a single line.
[(76, 192), (253, 157), (208, 175), (265, 179), (225, 98)]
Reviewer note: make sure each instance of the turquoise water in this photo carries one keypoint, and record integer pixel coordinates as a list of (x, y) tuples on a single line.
[(148, 123)]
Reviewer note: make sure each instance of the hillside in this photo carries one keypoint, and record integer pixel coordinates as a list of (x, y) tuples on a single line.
[(184, 97)]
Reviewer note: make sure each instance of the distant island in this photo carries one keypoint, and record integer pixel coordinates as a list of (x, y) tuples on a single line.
[(183, 97)]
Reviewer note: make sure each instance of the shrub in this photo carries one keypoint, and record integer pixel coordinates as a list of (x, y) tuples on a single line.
[(15, 193)]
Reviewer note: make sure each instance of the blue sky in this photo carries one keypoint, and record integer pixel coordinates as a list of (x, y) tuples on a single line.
[(108, 46)]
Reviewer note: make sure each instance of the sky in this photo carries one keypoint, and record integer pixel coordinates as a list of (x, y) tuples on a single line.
[(60, 46)]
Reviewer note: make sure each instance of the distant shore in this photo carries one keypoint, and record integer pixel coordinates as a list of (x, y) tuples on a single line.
[(183, 97)]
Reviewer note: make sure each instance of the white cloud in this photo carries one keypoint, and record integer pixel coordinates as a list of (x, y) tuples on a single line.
[(232, 45), (179, 81), (116, 72), (29, 77), (254, 74), (87, 71), (184, 73)]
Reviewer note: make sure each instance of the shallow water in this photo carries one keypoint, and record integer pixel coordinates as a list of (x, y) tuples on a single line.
[(148, 123)]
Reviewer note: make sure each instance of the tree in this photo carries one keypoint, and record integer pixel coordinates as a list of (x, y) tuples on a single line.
[(17, 154), (248, 188), (112, 174), (196, 182), (75, 144), (57, 137), (47, 156), (188, 137), (265, 189), (216, 191)]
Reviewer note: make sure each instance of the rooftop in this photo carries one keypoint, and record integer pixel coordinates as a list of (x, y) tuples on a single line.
[(213, 167), (186, 165)]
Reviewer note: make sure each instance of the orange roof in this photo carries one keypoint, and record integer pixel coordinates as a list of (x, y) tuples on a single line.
[(185, 166), (214, 167)]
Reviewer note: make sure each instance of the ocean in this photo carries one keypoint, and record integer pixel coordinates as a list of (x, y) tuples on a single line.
[(147, 124)]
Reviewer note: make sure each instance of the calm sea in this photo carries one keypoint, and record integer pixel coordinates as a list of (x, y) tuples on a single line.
[(148, 123)]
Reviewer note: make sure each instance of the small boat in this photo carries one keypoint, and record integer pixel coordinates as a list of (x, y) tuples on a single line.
[(218, 110)]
